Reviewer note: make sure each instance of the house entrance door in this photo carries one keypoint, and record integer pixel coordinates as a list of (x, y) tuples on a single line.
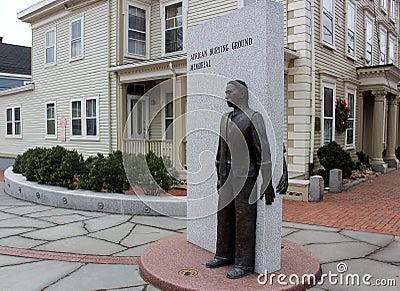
[(138, 117)]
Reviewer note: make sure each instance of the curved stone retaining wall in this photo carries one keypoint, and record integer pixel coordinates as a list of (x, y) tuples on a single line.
[(17, 186)]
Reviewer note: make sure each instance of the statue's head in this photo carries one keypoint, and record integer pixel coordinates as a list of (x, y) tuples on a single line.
[(237, 94)]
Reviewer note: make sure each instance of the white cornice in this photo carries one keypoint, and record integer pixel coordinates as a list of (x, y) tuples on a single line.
[(41, 12), (18, 76), (17, 90), (34, 7), (129, 67), (383, 77)]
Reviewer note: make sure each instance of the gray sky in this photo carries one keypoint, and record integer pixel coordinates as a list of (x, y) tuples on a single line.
[(13, 30)]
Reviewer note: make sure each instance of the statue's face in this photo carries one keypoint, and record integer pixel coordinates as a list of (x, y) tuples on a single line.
[(233, 95)]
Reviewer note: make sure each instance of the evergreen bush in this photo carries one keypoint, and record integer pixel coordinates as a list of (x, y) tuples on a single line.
[(333, 156), (61, 167), (115, 176), (363, 159), (153, 174), (93, 177)]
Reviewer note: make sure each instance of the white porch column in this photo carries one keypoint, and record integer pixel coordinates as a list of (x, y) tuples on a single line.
[(393, 120), (179, 130), (377, 132), (121, 114)]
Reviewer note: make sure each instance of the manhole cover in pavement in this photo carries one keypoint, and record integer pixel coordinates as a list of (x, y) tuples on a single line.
[(187, 272)]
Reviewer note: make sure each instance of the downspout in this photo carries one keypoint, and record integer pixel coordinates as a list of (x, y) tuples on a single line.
[(109, 77), (312, 139)]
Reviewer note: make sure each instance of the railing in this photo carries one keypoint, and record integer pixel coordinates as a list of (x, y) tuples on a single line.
[(142, 146)]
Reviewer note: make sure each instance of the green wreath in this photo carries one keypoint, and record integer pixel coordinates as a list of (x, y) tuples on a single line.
[(342, 116)]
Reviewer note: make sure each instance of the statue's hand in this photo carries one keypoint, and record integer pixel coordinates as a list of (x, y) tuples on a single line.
[(269, 194), (284, 181)]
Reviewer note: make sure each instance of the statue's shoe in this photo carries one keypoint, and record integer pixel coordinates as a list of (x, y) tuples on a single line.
[(218, 262), (238, 272)]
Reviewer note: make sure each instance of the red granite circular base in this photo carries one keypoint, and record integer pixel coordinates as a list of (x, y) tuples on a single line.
[(175, 264)]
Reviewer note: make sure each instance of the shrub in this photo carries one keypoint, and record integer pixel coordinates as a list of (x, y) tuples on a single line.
[(19, 164), (59, 166), (72, 166), (139, 174), (93, 177), (363, 160), (332, 156), (325, 175), (150, 172), (55, 166), (397, 153), (50, 161), (33, 162), (158, 167), (115, 176)]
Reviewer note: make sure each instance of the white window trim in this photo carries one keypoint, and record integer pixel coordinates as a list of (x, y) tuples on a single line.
[(163, 4), (51, 136), (55, 48), (163, 113), (13, 135), (328, 82), (392, 39), (324, 43), (385, 32), (353, 90), (393, 10), (369, 18), (71, 58), (147, 8), (82, 121), (384, 9), (353, 57), (84, 135)]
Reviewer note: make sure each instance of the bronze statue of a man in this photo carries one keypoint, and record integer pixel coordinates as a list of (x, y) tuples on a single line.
[(243, 153)]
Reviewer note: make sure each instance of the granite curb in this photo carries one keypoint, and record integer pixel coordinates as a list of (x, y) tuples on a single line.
[(17, 186)]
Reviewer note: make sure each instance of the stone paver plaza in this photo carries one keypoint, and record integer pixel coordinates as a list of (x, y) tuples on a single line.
[(51, 248)]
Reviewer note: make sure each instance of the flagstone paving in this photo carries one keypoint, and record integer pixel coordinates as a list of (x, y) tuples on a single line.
[(47, 248)]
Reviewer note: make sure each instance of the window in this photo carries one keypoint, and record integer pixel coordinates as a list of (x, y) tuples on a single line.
[(13, 122), (350, 132), (383, 46), (327, 21), (76, 43), (351, 21), (368, 40), (51, 46), (91, 117), (173, 28), (51, 130), (169, 115), (392, 47), (393, 9), (84, 117), (137, 30), (9, 121), (76, 118), (329, 107), (384, 5)]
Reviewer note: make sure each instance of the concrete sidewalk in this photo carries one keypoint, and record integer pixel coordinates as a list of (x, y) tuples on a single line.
[(59, 249)]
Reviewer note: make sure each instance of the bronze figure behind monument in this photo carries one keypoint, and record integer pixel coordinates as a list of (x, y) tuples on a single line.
[(243, 152)]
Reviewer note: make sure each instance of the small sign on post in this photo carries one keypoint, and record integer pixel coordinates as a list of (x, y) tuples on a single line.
[(63, 126)]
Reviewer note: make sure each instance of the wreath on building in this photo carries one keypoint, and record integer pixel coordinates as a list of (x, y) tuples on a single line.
[(342, 116)]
